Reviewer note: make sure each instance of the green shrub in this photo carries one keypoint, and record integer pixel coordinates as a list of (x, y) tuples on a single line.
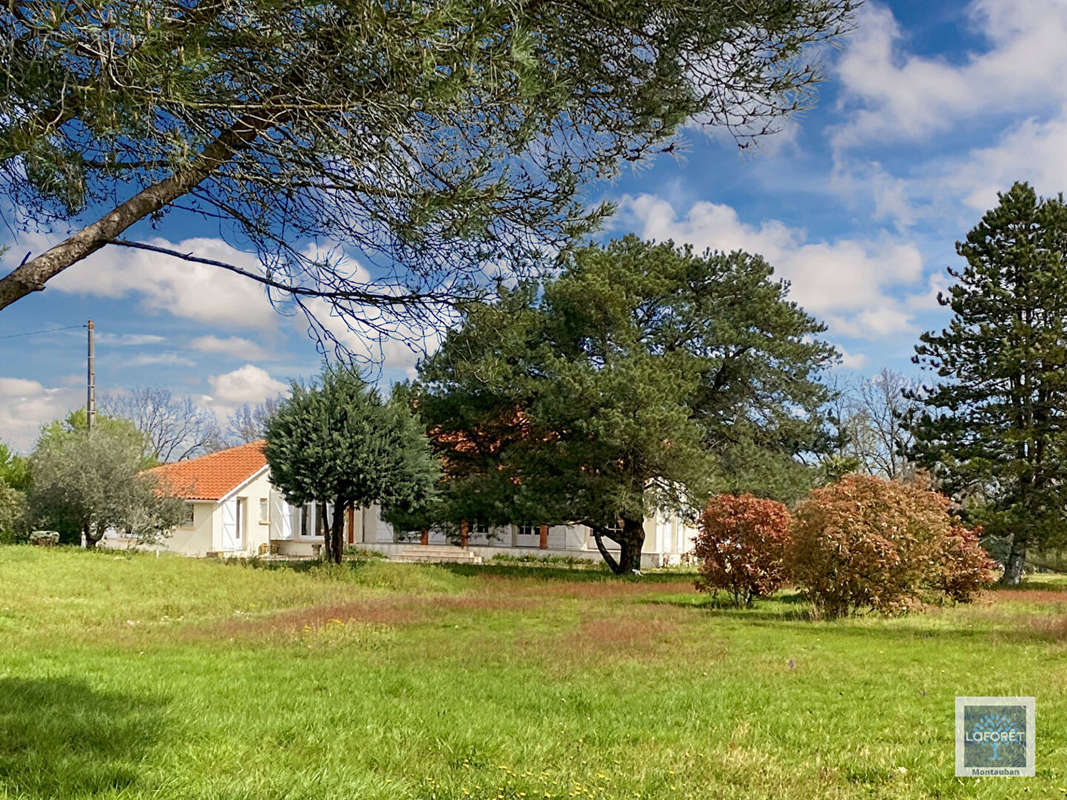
[(537, 560), (12, 515), (864, 542), (353, 553)]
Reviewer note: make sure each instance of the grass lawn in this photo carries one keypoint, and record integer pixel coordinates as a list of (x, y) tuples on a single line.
[(135, 676)]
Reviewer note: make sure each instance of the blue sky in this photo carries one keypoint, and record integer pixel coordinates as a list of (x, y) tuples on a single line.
[(928, 109)]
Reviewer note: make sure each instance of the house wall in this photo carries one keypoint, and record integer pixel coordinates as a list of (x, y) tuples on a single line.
[(193, 541), (255, 532), (667, 537)]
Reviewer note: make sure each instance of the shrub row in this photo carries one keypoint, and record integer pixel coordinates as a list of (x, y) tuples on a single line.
[(859, 543)]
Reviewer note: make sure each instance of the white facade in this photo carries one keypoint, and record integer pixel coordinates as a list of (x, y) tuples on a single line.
[(255, 520)]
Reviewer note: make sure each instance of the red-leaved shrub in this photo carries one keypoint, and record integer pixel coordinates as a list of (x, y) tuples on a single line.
[(966, 567), (864, 542), (741, 546)]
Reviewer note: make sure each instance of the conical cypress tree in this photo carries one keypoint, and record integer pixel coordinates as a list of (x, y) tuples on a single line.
[(995, 426)]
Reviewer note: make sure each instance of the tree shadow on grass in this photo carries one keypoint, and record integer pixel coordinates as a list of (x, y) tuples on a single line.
[(537, 572), (59, 738), (793, 612)]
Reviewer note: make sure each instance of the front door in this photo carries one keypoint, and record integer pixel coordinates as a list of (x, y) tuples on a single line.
[(231, 524)]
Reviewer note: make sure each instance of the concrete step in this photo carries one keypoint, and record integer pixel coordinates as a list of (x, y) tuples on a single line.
[(431, 554)]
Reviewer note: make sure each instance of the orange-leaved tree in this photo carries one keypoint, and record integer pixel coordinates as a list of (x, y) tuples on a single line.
[(865, 542), (741, 546)]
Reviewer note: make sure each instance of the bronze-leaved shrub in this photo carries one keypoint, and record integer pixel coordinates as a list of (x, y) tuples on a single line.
[(864, 542), (741, 546), (966, 567)]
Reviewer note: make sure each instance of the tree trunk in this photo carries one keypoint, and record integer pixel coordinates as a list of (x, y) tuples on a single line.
[(324, 526), (1013, 569), (337, 530), (91, 538), (609, 559), (31, 276), (631, 543), (631, 540)]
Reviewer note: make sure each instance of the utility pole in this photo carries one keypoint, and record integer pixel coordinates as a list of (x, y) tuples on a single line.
[(90, 385)]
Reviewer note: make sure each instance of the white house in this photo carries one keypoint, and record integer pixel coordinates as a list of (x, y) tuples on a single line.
[(233, 510)]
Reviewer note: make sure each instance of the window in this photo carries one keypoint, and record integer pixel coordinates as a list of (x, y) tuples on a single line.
[(479, 529), (187, 515), (309, 519), (264, 510), (529, 530)]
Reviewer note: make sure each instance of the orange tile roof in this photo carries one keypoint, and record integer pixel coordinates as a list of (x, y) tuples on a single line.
[(213, 476)]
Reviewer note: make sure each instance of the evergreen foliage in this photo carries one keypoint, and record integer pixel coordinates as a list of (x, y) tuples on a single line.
[(433, 137), (644, 378), (994, 429), (337, 444)]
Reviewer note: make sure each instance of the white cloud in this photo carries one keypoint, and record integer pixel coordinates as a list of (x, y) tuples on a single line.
[(19, 387), (852, 360), (164, 283), (1032, 151), (235, 346), (248, 384), (927, 300), (868, 182), (899, 96), (872, 323), (27, 405), (127, 339), (159, 359), (847, 281), (398, 346)]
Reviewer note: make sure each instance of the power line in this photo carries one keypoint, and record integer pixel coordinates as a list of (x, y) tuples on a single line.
[(38, 333)]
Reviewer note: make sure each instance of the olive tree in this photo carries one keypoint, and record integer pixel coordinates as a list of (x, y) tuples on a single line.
[(92, 482)]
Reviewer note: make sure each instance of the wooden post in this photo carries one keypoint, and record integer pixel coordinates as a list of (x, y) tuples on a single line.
[(425, 538), (351, 525), (464, 533), (543, 544)]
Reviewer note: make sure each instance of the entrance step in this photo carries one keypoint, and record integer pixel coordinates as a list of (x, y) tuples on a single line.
[(436, 554)]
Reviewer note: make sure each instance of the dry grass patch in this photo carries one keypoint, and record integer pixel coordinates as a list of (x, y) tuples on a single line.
[(384, 612), (643, 634), (596, 590), (1052, 628), (1031, 596)]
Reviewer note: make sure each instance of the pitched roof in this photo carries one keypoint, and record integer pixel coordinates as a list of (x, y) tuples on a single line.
[(213, 476)]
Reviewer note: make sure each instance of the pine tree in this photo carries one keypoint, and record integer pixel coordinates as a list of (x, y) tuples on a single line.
[(647, 376), (995, 427)]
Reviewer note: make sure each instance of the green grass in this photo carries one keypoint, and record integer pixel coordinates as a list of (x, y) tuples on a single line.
[(136, 676)]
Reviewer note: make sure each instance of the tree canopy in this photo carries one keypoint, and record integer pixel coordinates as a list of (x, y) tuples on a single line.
[(645, 377), (994, 429), (337, 444), (87, 483), (434, 138), (14, 469)]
